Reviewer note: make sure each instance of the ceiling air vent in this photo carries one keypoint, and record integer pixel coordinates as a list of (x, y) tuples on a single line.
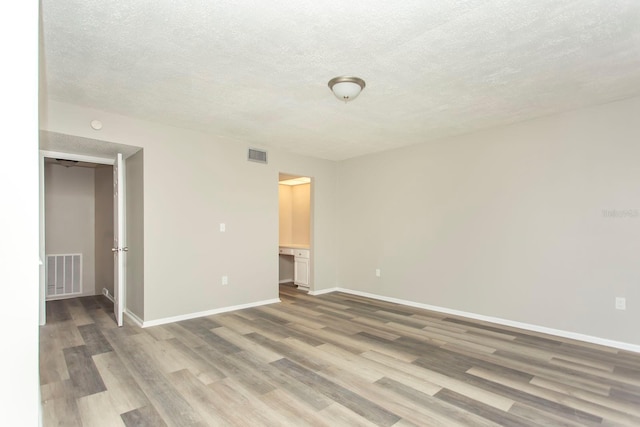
[(257, 156)]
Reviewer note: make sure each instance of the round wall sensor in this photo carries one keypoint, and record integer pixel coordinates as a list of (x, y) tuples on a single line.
[(96, 124)]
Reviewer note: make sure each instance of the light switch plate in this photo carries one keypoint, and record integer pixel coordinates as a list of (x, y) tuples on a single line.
[(621, 303), (223, 227)]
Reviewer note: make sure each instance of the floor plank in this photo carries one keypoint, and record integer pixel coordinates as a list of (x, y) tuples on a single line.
[(328, 360), (83, 372)]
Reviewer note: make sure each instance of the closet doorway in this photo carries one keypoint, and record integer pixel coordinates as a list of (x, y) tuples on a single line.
[(79, 228), (82, 221)]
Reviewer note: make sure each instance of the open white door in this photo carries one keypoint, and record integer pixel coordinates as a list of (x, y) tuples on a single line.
[(119, 249)]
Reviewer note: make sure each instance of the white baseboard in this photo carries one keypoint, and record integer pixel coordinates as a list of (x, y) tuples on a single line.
[(146, 324), (526, 326), (107, 294), (69, 296), (135, 319), (286, 281), (324, 291)]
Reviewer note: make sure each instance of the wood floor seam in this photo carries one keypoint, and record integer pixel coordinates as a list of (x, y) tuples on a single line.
[(329, 360)]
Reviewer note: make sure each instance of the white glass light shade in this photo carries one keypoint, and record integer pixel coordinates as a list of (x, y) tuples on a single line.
[(346, 91), (346, 88)]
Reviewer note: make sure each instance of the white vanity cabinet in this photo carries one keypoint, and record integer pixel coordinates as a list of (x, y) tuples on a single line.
[(301, 268), (301, 265)]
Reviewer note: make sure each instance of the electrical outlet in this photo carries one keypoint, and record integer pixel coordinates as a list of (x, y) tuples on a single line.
[(621, 303), (225, 280), (223, 227), (377, 272)]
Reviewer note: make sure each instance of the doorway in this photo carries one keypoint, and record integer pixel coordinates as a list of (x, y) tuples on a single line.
[(78, 228), (295, 232), (77, 204)]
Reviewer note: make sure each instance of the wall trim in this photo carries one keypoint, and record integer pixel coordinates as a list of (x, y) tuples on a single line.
[(107, 294), (286, 281), (134, 318), (526, 326), (325, 291), (78, 157), (146, 324)]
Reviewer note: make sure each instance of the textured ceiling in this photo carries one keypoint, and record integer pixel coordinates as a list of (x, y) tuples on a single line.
[(257, 71)]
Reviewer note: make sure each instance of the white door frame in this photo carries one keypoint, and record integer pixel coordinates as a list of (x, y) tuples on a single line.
[(65, 156)]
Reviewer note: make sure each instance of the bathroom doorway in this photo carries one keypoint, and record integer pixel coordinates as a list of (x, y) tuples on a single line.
[(295, 194)]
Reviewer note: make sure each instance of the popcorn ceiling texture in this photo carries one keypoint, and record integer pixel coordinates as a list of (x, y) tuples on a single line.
[(257, 71)]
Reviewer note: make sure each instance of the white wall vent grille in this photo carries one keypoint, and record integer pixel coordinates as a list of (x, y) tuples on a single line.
[(64, 275), (257, 155)]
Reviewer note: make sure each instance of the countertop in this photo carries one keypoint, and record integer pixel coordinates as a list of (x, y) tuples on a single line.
[(294, 246)]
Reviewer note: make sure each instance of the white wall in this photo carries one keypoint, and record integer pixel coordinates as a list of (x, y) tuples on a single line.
[(19, 388), (70, 217), (193, 182), (505, 223)]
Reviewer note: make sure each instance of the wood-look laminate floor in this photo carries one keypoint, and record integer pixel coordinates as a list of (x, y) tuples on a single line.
[(330, 360)]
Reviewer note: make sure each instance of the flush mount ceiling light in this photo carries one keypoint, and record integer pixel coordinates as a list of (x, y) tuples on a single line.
[(346, 88)]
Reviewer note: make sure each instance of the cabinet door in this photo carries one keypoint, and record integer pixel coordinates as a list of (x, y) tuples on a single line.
[(301, 271)]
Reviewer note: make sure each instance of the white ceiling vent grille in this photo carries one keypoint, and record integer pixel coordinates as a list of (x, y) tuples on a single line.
[(257, 156)]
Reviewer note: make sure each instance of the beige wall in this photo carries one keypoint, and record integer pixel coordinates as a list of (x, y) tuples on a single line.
[(104, 228), (295, 211), (301, 205), (285, 209), (70, 217), (134, 171), (505, 223), (188, 192)]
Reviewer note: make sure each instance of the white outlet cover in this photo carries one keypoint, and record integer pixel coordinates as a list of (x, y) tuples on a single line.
[(621, 303), (377, 272), (225, 280), (223, 227)]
